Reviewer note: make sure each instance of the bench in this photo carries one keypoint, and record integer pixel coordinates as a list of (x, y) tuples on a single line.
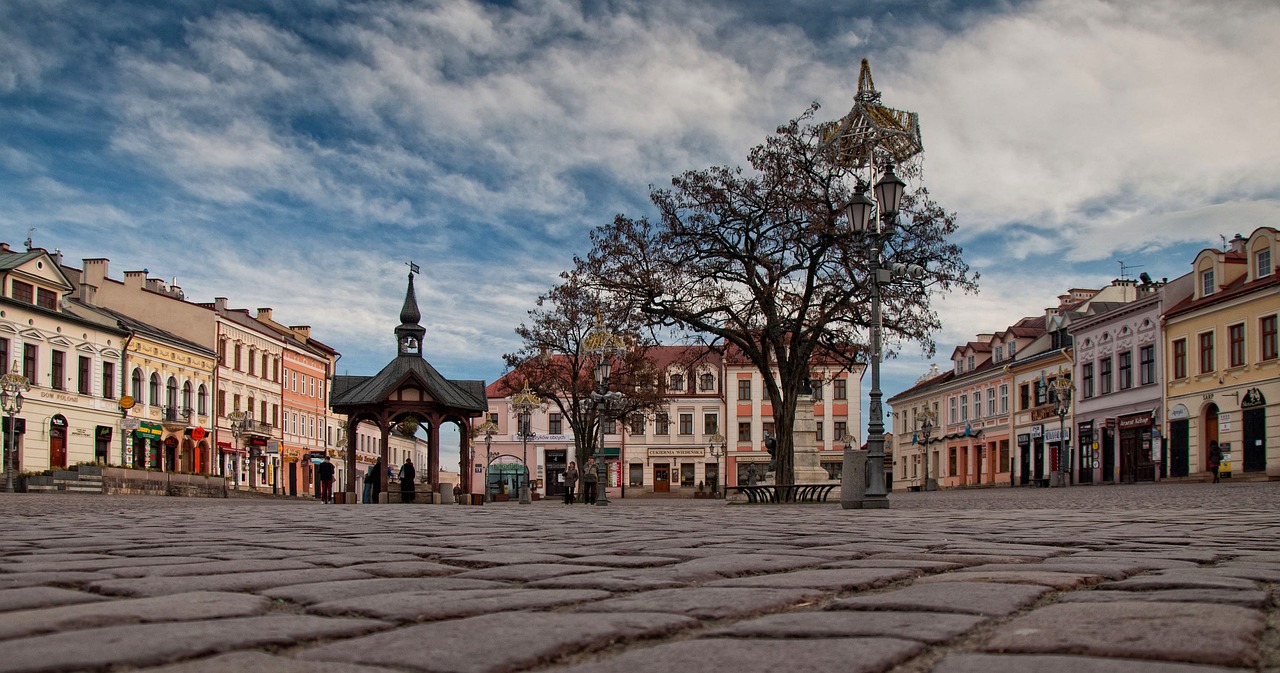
[(783, 494)]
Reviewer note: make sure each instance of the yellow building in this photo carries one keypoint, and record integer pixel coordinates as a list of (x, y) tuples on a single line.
[(1222, 361)]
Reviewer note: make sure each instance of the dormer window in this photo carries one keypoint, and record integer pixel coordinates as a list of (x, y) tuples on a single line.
[(1013, 348), (1206, 283), (676, 383), (999, 353), (959, 366), (970, 365), (1262, 263), (707, 381)]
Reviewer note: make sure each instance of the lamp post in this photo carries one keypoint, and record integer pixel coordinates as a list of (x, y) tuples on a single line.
[(237, 419), (926, 433), (1060, 388), (888, 193), (524, 402), (12, 385), (488, 429), (717, 448), (604, 345)]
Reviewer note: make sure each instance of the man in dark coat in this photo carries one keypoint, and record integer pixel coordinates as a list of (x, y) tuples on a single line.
[(324, 476), (407, 475), (373, 480)]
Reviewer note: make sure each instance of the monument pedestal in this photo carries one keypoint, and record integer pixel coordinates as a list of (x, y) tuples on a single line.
[(808, 467)]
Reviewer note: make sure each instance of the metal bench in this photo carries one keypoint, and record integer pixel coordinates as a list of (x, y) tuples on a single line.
[(783, 494)]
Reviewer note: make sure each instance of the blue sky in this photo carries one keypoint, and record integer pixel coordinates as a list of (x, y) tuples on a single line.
[(296, 155)]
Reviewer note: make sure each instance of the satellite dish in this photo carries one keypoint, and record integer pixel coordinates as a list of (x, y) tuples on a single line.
[(1145, 278)]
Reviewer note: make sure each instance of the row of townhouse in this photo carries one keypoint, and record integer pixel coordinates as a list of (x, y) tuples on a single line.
[(1157, 372), (714, 421), (129, 372)]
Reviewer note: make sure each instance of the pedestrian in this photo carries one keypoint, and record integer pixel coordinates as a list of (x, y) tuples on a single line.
[(407, 475), (373, 482), (1215, 459), (570, 482), (324, 476), (590, 482)]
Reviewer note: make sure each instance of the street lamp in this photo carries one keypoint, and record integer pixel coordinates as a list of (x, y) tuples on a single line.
[(717, 449), (1060, 389), (926, 433), (238, 422), (488, 429), (12, 385), (524, 402), (875, 230), (604, 345)]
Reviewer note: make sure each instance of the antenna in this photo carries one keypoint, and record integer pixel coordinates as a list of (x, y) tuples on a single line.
[(31, 232), (1126, 268), (1224, 241)]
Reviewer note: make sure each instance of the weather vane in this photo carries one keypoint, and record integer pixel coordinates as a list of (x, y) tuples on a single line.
[(413, 268)]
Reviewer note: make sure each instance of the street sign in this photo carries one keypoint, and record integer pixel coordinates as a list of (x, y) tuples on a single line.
[(129, 424), (126, 403)]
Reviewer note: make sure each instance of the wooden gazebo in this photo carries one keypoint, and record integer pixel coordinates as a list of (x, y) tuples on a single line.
[(409, 387)]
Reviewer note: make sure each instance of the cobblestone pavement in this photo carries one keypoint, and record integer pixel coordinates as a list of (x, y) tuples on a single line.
[(1124, 579)]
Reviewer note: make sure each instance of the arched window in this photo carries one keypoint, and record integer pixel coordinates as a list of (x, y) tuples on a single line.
[(155, 389), (708, 382), (171, 393), (135, 387), (202, 401), (186, 395)]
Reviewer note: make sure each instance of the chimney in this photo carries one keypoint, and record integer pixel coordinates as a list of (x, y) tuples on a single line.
[(220, 304), (134, 280), (4, 247), (156, 285), (302, 330), (264, 314), (88, 294), (95, 271), (1237, 243)]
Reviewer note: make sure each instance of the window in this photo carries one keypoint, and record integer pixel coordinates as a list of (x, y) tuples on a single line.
[(263, 416), (952, 417), (969, 364), (555, 424), (23, 292), (662, 425), (1004, 398), (686, 424), (1206, 283), (1024, 398), (951, 462), (252, 361), (1180, 359), (57, 375), (839, 430), (186, 395), (977, 405), (83, 385), (991, 401), (1206, 352), (1147, 365), (4, 356), (686, 475), (1125, 367), (46, 299), (109, 380), (1086, 380), (964, 408), (676, 383), (154, 389), (710, 424), (744, 431), (1104, 376), (222, 403), (171, 393), (1267, 328), (202, 400), (1262, 263), (840, 389), (637, 424), (1235, 346), (744, 389), (999, 353), (1013, 348), (815, 385), (707, 382), (135, 385), (238, 351)]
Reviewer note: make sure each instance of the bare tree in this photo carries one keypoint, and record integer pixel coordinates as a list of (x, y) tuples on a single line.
[(763, 261)]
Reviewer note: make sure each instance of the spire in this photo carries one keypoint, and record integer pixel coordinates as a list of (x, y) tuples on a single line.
[(410, 333)]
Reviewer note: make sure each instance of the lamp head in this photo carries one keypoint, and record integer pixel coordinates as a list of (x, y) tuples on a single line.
[(889, 192), (858, 210)]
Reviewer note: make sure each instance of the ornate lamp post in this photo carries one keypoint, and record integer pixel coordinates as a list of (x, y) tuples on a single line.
[(524, 402), (12, 385), (1060, 390), (926, 433), (488, 429), (717, 449), (875, 230), (604, 345), (238, 420)]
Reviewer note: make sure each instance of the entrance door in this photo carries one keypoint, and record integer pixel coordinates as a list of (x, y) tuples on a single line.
[(1084, 461), (1255, 440), (1108, 448), (1024, 474), (662, 478), (1128, 456), (1179, 448), (1038, 451), (57, 447)]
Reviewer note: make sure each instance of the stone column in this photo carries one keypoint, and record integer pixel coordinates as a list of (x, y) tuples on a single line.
[(808, 469)]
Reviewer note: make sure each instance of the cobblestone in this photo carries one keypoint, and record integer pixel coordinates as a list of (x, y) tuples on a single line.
[(1183, 578)]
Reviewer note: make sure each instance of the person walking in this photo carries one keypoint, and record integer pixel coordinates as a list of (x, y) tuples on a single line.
[(1215, 459), (407, 475), (589, 482), (373, 481), (570, 482), (324, 477)]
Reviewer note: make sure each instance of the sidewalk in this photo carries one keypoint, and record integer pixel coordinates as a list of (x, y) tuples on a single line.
[(1124, 579)]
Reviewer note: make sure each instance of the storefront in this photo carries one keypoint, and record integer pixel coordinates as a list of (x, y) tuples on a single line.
[(1137, 462)]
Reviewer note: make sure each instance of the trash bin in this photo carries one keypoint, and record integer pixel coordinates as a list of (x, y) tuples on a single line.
[(853, 487)]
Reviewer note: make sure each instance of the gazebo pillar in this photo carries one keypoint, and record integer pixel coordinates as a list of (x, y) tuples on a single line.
[(464, 456), (384, 451), (351, 462), (433, 455)]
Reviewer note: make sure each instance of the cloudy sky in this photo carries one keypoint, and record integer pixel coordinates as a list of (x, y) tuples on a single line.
[(297, 155)]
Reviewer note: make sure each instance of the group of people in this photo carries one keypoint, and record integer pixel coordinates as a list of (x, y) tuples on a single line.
[(590, 482), (372, 481)]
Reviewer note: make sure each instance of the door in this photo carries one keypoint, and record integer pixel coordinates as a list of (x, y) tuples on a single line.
[(1038, 451), (57, 447), (1128, 456), (1179, 448), (1084, 462), (1255, 440), (1108, 449), (662, 478), (1024, 474)]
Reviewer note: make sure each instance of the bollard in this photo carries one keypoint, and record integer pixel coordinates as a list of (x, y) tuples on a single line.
[(853, 479)]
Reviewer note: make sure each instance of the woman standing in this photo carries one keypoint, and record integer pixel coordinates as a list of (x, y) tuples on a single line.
[(570, 482)]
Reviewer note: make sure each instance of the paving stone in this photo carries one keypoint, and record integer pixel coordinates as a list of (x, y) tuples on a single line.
[(205, 567), (528, 572), (736, 565), (1124, 561), (161, 586), (616, 561), (706, 602), (926, 566), (417, 568), (847, 655), (99, 564), (25, 598), (123, 645), (645, 579), (500, 642), (32, 579), (928, 627), (1180, 579), (974, 598), (1249, 598), (1045, 663), (345, 560), (1223, 635), (959, 559), (261, 661), (487, 559), (178, 607), (1017, 575), (320, 592), (434, 605), (836, 579)]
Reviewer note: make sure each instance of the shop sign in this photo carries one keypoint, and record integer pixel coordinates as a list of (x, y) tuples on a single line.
[(1179, 412), (1037, 431), (1024, 439), (1135, 421), (147, 429), (1253, 398), (664, 453), (197, 433), (103, 433), (1051, 435)]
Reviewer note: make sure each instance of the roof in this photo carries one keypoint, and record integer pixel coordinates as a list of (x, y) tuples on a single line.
[(1237, 288), (356, 391), (138, 327), (13, 260)]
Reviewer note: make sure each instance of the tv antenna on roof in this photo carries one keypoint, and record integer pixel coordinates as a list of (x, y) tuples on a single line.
[(1126, 268)]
